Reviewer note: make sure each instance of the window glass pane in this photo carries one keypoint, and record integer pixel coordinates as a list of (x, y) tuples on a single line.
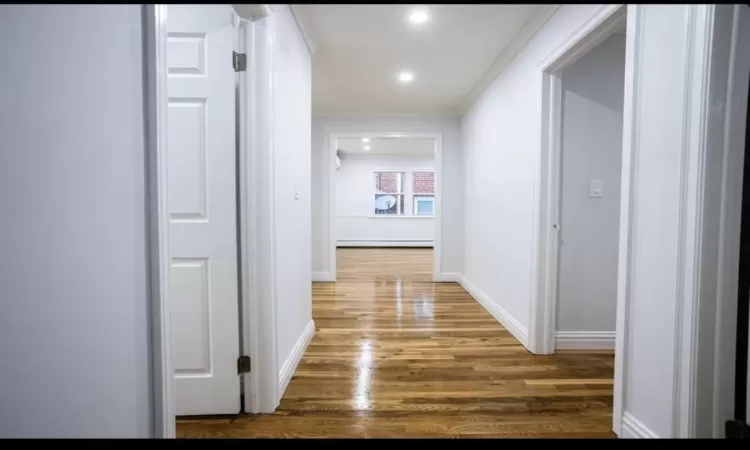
[(388, 182), (423, 182), (424, 205)]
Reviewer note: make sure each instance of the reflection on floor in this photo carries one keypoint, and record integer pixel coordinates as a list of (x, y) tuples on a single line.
[(396, 355)]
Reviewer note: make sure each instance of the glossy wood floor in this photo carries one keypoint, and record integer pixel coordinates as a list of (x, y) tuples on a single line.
[(395, 355)]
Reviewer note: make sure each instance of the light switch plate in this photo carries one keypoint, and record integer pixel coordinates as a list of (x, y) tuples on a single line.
[(596, 189)]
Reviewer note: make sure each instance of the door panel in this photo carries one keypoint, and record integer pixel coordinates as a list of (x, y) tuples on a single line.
[(202, 201)]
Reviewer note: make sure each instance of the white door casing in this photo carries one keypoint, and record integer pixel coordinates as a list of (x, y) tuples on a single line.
[(203, 210)]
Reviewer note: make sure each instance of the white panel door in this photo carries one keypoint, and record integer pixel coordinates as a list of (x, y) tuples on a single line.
[(202, 202)]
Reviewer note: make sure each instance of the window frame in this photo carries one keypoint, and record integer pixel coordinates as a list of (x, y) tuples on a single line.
[(417, 196), (400, 195)]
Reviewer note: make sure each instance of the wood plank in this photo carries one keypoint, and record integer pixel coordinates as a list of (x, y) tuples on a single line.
[(396, 355)]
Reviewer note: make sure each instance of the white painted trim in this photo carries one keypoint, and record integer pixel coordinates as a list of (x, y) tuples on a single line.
[(343, 244), (543, 302), (595, 30), (628, 199), (247, 231), (534, 24), (295, 356), (692, 256), (333, 136), (155, 35), (699, 34), (257, 232), (303, 23), (450, 277), (513, 326), (262, 96), (633, 428), (322, 277), (587, 340), (369, 156)]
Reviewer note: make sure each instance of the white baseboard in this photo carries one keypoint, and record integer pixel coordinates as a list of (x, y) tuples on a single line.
[(513, 326), (322, 277), (295, 356), (585, 340), (343, 244), (633, 428), (449, 277)]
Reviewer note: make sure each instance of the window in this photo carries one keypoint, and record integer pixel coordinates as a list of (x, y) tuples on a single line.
[(423, 187), (424, 206), (389, 193)]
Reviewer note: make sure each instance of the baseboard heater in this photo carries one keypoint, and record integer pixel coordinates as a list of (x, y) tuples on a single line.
[(381, 243)]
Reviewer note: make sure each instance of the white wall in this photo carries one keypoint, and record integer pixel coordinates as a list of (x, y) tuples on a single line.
[(501, 144), (355, 221), (591, 150), (452, 201), (680, 275), (292, 112), (74, 323)]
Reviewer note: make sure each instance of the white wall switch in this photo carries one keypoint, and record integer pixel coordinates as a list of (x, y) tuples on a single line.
[(596, 189)]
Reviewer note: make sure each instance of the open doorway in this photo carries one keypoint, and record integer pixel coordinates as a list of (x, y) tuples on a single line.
[(385, 204), (575, 306), (385, 192), (589, 196)]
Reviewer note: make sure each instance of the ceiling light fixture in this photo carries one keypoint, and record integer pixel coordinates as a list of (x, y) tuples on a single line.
[(419, 16), (405, 76), (365, 140), (367, 147)]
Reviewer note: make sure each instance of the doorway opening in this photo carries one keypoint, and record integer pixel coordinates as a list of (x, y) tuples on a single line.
[(580, 190), (588, 195), (385, 192)]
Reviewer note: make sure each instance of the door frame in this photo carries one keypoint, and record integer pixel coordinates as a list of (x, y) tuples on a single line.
[(333, 137), (255, 216), (543, 308), (546, 244), (708, 241)]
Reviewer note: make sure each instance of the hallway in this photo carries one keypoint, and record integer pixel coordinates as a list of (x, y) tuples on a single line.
[(395, 355)]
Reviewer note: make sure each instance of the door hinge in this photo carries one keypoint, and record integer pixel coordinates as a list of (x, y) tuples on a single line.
[(239, 61), (243, 364)]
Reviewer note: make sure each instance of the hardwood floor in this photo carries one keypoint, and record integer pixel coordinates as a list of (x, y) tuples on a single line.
[(395, 355)]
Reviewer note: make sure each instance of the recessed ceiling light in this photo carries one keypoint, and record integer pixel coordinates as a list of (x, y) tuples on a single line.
[(419, 16), (405, 76), (367, 147), (365, 140)]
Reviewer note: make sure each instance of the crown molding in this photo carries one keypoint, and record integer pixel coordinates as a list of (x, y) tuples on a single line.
[(522, 38), (303, 23)]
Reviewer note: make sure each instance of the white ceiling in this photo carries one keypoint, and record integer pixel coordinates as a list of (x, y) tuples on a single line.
[(387, 146), (359, 50)]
